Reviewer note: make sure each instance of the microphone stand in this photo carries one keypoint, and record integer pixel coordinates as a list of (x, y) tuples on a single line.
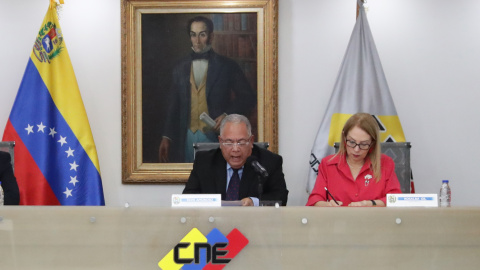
[(260, 188)]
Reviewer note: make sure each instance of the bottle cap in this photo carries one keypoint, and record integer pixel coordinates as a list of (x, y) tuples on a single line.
[(445, 181)]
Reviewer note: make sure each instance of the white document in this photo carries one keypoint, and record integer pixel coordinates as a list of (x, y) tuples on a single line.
[(232, 203), (207, 120)]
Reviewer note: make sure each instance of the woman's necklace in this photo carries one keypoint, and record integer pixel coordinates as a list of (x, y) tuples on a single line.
[(354, 170), (354, 167)]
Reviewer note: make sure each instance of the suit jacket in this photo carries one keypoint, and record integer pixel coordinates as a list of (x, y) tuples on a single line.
[(227, 91), (209, 176), (9, 183)]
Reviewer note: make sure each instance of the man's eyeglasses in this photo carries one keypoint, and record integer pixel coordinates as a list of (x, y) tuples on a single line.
[(231, 144), (353, 144)]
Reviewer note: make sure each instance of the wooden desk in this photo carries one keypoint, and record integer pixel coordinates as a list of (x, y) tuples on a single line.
[(346, 238)]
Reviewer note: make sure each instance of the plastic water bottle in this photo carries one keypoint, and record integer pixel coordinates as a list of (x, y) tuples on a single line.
[(1, 194), (445, 194)]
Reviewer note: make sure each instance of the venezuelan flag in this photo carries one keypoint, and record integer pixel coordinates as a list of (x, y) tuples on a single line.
[(55, 157)]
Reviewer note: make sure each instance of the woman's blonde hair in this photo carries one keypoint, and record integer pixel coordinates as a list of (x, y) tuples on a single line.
[(367, 123)]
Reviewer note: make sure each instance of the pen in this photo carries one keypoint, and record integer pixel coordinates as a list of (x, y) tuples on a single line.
[(331, 195)]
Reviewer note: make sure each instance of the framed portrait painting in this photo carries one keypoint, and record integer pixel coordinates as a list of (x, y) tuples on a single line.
[(185, 65)]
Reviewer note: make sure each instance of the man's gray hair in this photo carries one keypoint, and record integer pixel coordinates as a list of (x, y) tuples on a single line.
[(237, 119)]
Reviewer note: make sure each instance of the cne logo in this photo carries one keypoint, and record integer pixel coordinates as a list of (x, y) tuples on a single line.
[(48, 44), (196, 251)]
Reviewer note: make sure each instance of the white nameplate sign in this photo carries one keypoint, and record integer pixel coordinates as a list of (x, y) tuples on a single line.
[(196, 200), (412, 200)]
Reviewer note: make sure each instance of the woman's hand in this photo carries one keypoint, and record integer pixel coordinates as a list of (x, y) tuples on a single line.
[(361, 204), (328, 204), (367, 203)]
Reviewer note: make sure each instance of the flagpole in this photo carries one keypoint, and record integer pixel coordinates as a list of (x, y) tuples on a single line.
[(57, 163), (354, 91), (412, 184)]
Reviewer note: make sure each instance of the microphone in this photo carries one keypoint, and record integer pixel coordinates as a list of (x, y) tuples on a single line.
[(258, 167)]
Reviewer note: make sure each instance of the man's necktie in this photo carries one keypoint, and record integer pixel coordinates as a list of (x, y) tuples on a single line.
[(233, 186)]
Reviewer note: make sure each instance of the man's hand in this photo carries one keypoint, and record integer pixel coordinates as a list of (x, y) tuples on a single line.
[(163, 150), (247, 202), (218, 121)]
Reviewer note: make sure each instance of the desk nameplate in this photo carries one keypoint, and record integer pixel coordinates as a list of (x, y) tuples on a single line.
[(412, 200), (196, 200)]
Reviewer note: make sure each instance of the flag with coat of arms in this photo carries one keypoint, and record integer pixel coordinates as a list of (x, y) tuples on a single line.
[(361, 86), (55, 156)]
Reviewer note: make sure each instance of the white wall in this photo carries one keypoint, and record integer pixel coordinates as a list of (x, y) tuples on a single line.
[(430, 51)]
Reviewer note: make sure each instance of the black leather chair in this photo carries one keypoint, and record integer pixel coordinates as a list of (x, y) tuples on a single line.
[(9, 147)]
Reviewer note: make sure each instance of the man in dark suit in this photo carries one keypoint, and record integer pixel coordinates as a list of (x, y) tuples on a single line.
[(9, 183), (216, 171), (204, 81)]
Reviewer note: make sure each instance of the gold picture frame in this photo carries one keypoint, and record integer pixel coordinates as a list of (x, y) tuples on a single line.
[(150, 35)]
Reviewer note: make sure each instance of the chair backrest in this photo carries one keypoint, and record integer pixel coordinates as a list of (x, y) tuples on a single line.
[(9, 147), (400, 153), (205, 146)]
